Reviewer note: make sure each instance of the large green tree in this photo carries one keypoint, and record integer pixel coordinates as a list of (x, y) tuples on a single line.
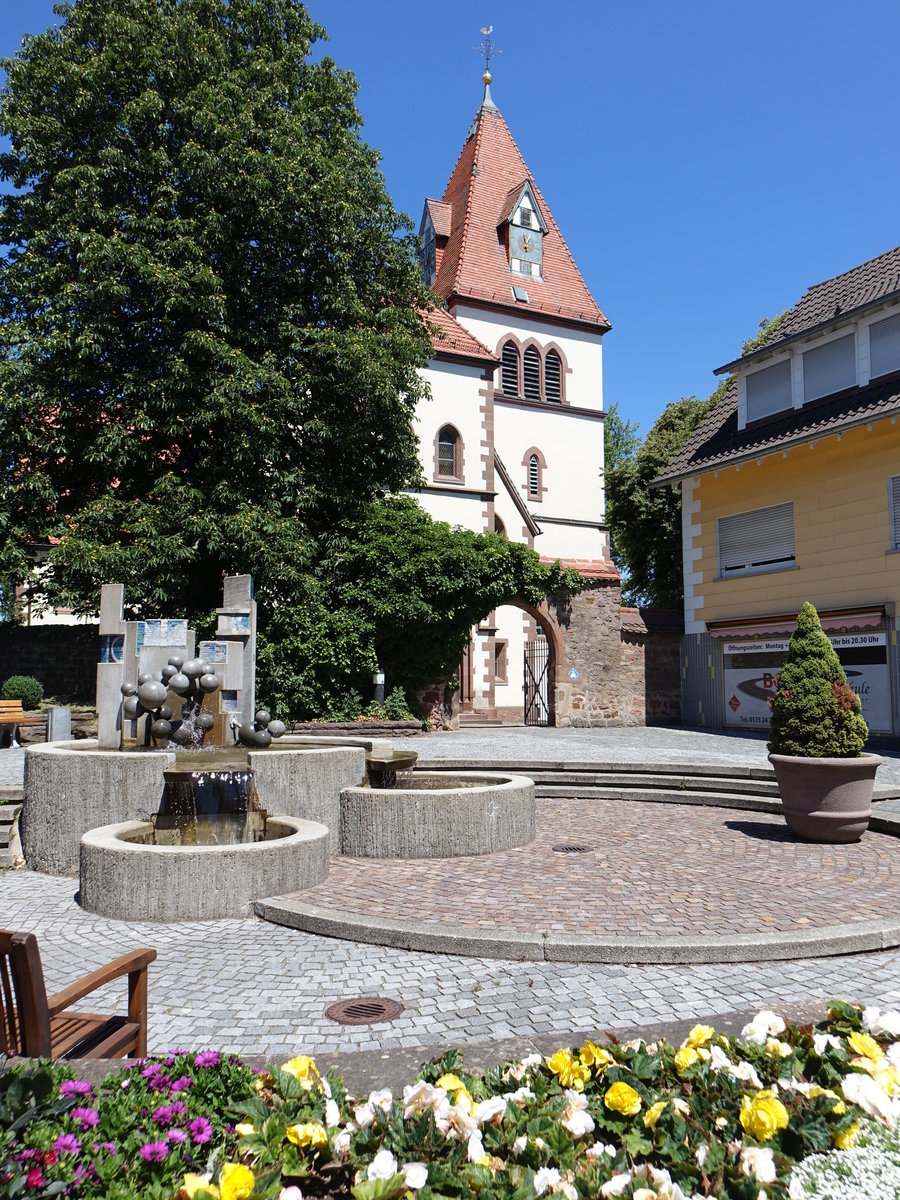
[(209, 336)]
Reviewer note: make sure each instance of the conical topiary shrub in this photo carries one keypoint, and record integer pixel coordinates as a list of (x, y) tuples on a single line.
[(815, 713)]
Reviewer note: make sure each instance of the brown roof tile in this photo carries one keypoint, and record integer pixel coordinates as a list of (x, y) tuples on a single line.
[(441, 215), (590, 568), (449, 337), (833, 301), (474, 264), (718, 442)]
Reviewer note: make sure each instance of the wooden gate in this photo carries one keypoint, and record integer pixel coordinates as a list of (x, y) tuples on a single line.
[(537, 684)]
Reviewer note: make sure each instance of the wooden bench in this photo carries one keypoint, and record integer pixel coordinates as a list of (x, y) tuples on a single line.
[(35, 1025), (12, 715)]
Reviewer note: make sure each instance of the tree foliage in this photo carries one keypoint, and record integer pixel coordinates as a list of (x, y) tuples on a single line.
[(621, 441), (394, 590), (815, 713), (209, 337)]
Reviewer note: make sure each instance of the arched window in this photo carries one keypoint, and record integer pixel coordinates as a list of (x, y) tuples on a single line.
[(532, 374), (448, 454), (534, 476), (553, 378), (499, 527), (509, 369)]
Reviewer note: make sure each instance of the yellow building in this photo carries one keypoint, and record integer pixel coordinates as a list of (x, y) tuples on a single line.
[(791, 492)]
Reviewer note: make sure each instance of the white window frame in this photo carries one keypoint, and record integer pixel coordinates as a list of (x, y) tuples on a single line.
[(758, 567), (744, 394), (838, 336)]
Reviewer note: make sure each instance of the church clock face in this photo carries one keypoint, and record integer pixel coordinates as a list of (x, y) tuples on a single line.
[(525, 245)]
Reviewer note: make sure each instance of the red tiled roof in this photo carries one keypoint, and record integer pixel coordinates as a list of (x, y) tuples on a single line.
[(440, 214), (449, 337), (652, 620), (475, 264), (590, 568)]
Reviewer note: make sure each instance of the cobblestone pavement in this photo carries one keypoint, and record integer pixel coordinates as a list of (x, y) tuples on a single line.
[(654, 869), (262, 990)]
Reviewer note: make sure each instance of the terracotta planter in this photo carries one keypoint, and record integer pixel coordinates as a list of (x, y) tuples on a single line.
[(826, 799)]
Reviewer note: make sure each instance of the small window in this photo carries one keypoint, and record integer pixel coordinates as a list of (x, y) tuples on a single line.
[(830, 368), (757, 541), (525, 217), (509, 369), (894, 494), (499, 527), (449, 464), (769, 391), (884, 346), (500, 662), (525, 267), (553, 377), (532, 374), (534, 476)]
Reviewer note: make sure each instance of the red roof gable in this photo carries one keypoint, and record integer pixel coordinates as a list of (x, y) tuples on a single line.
[(475, 264), (451, 338)]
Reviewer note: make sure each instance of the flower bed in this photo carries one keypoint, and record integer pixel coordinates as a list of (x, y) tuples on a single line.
[(718, 1116)]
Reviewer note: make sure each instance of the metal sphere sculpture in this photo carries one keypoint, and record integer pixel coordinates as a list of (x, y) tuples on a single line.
[(191, 680), (259, 734)]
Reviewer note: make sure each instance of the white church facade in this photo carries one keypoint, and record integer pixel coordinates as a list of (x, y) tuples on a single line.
[(512, 439)]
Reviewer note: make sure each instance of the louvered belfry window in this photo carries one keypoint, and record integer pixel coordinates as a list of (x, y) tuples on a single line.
[(553, 377), (534, 476), (448, 440), (884, 346), (752, 542), (532, 374), (509, 369)]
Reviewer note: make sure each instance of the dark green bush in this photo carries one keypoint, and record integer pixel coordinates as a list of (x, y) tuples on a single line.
[(815, 713), (26, 688)]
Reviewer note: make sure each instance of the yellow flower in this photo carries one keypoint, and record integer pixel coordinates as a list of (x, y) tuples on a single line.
[(570, 1072), (653, 1113), (197, 1183), (840, 1108), (763, 1116), (777, 1048), (303, 1069), (843, 1141), (699, 1036), (311, 1133), (245, 1128), (450, 1083), (685, 1058), (236, 1181), (595, 1056), (866, 1046), (623, 1099)]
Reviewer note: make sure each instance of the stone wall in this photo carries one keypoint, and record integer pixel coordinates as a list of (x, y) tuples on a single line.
[(628, 661), (63, 657)]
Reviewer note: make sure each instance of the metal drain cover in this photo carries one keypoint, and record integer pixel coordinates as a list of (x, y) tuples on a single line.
[(572, 848), (365, 1010)]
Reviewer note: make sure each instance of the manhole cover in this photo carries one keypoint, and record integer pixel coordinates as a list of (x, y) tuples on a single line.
[(366, 1010), (572, 848)]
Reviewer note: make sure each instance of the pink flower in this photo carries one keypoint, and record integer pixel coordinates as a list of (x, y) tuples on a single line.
[(154, 1151), (67, 1143), (207, 1058), (200, 1129), (34, 1178), (87, 1118), (75, 1087), (182, 1084), (176, 1135)]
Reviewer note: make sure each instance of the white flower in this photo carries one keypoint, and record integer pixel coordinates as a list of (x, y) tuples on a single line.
[(531, 1060), (475, 1149), (519, 1144), (821, 1042), (700, 1155), (488, 1110), (680, 1106), (290, 1193), (519, 1097), (578, 1122), (871, 1098), (364, 1115), (459, 1121), (616, 1186), (599, 1149), (341, 1145), (759, 1161), (415, 1174), (382, 1099), (419, 1097), (575, 1099), (546, 1179), (382, 1166), (875, 1021), (332, 1114), (326, 1087), (721, 1122), (763, 1025), (644, 1194)]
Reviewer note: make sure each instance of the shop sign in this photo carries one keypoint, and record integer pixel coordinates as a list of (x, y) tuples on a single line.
[(751, 673)]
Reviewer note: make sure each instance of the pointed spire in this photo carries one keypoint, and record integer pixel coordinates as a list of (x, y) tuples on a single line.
[(488, 49), (488, 101)]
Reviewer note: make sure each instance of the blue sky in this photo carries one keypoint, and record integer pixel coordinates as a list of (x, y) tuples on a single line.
[(706, 161)]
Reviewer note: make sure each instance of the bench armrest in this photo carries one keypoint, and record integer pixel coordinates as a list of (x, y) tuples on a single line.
[(135, 962)]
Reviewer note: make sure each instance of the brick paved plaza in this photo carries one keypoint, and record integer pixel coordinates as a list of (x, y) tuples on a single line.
[(263, 989)]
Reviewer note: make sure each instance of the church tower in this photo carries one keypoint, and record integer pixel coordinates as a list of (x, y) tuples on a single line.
[(513, 440)]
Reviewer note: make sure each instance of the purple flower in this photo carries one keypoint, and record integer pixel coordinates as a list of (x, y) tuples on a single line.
[(154, 1151), (34, 1178), (177, 1135), (182, 1084), (75, 1087), (207, 1058), (109, 1147), (151, 1069), (200, 1129), (87, 1118), (163, 1115), (178, 1109), (67, 1143)]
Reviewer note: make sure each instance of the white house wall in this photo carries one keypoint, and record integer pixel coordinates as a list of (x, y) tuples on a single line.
[(455, 400)]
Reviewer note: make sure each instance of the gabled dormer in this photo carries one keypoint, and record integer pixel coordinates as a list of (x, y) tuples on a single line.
[(434, 232), (521, 230)]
